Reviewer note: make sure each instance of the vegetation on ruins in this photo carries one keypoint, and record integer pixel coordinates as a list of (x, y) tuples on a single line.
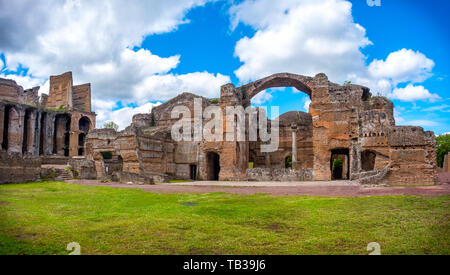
[(111, 125), (442, 148), (42, 218)]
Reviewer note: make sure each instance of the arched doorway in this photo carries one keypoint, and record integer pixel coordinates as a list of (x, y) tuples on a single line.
[(299, 89), (61, 135), (213, 166), (84, 125)]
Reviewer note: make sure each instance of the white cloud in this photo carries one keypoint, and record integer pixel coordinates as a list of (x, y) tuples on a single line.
[(163, 87), (423, 123), (306, 105), (262, 97), (413, 93), (442, 108), (311, 36), (93, 39), (397, 112), (124, 116), (27, 82), (403, 66), (305, 37)]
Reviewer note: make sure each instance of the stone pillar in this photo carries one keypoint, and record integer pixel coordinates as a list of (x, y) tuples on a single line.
[(345, 164), (49, 131), (34, 150), (268, 161), (31, 132), (446, 164), (73, 143), (294, 146), (2, 123), (15, 130)]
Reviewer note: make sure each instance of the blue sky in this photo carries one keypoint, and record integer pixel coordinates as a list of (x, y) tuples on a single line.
[(138, 54)]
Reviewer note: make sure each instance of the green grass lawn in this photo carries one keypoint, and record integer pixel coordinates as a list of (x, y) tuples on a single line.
[(42, 218)]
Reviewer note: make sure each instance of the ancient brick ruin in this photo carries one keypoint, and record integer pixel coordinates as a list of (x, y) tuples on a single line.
[(347, 134), (37, 131)]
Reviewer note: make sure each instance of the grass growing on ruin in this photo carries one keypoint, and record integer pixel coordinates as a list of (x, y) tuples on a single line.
[(42, 218)]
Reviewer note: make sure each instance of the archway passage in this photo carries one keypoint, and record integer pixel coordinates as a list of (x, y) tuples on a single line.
[(61, 135), (84, 124), (213, 162), (339, 164)]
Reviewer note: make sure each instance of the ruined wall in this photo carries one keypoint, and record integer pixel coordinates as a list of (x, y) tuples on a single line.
[(446, 166), (344, 122), (31, 96), (31, 134), (10, 91), (60, 94), (349, 122), (279, 174), (82, 97), (16, 168), (161, 115), (124, 147), (412, 156)]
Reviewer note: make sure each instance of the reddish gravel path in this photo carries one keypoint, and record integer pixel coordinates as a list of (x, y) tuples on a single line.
[(310, 190)]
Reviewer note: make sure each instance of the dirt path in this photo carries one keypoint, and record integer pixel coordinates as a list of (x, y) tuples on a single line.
[(342, 189)]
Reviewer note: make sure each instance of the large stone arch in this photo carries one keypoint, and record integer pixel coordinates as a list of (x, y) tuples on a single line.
[(300, 82)]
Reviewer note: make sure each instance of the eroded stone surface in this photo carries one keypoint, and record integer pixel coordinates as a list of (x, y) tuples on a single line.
[(49, 130), (347, 134), (344, 122)]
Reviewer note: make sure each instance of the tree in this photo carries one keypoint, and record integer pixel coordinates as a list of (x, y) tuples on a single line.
[(111, 125), (442, 148)]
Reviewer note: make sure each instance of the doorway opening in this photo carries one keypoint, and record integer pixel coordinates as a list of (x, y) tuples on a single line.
[(193, 172), (288, 162), (213, 160), (6, 128), (81, 141), (339, 164)]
